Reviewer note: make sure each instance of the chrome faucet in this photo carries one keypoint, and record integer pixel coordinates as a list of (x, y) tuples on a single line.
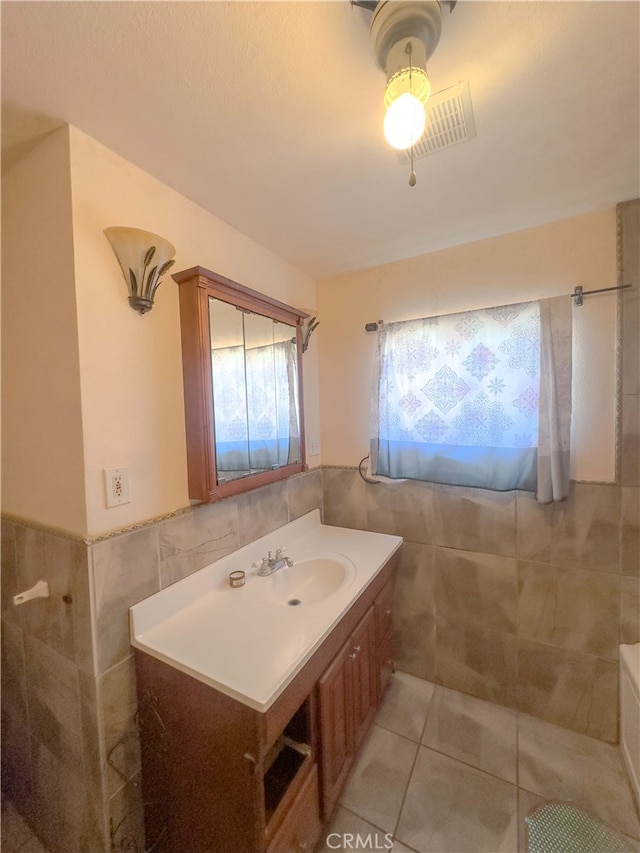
[(271, 563)]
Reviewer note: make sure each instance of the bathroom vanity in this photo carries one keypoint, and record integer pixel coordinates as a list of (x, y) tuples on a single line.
[(254, 701)]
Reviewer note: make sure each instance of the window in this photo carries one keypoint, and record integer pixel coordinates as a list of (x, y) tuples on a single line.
[(480, 398)]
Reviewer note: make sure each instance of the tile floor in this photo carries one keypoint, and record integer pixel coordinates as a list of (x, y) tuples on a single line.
[(442, 772)]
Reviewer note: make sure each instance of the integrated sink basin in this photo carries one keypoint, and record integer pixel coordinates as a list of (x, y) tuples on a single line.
[(193, 623), (310, 580)]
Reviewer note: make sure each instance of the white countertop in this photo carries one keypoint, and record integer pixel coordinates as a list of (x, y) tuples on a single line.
[(240, 641)]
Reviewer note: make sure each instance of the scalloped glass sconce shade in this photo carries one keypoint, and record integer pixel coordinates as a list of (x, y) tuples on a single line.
[(144, 258)]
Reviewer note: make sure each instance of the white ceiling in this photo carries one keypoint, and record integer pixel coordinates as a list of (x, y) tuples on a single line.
[(269, 115)]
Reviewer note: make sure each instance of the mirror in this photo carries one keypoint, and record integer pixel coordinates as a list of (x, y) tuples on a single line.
[(254, 371), (242, 359)]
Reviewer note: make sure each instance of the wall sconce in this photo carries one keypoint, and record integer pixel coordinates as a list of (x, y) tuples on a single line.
[(144, 258)]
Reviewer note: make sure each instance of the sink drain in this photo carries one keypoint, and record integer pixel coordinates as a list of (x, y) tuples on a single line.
[(294, 602)]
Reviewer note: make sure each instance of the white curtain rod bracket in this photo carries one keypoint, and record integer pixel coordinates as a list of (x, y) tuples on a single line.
[(578, 292)]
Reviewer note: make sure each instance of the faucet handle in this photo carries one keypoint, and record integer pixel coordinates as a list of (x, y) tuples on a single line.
[(280, 552)]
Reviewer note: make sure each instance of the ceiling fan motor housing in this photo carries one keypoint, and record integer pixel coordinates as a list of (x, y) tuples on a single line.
[(396, 23)]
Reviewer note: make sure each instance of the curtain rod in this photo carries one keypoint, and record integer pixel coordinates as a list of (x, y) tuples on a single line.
[(577, 296)]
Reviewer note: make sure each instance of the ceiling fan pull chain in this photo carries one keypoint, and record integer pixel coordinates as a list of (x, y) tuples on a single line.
[(412, 174)]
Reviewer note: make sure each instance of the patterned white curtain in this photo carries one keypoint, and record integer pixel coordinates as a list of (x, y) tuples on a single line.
[(457, 398), (554, 415)]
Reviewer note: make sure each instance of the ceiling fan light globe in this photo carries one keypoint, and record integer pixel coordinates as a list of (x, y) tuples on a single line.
[(404, 122)]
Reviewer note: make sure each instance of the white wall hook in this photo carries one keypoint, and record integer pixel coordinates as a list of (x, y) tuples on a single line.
[(40, 590)]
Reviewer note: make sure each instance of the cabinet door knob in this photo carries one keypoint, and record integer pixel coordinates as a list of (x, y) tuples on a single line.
[(356, 649), (387, 612), (302, 845)]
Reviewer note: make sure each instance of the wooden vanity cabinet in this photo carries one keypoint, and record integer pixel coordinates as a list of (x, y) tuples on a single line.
[(221, 777), (349, 693), (347, 703)]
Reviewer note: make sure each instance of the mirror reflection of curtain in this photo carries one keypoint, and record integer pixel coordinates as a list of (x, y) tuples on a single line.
[(257, 430)]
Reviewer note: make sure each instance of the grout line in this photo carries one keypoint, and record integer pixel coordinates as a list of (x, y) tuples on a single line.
[(413, 766)]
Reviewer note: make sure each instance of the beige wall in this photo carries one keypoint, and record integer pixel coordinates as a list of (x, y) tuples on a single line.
[(131, 365), (544, 261), (42, 440), (89, 384), (112, 389)]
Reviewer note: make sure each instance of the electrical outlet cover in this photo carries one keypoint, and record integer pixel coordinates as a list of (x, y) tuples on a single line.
[(116, 483)]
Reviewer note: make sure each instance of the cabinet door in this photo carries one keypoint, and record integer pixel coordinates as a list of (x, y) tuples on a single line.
[(336, 731), (385, 658), (363, 676)]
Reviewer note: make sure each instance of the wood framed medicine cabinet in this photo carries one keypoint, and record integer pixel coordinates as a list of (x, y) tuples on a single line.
[(236, 344)]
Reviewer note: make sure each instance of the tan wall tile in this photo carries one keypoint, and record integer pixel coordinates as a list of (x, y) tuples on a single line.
[(404, 509), (630, 447), (64, 815), (631, 339), (345, 498), (125, 571), (476, 520), (62, 563), (415, 578), (569, 608), (261, 511), (13, 693), (570, 689), (9, 566), (304, 493), (119, 702), (535, 524), (17, 781), (415, 642), (630, 533), (190, 542), (588, 528), (53, 699), (477, 588), (476, 660), (629, 610)]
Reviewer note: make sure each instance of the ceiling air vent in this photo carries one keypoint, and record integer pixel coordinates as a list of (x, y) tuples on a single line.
[(449, 122)]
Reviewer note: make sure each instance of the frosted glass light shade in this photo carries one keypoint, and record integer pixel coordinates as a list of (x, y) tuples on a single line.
[(144, 258), (404, 121)]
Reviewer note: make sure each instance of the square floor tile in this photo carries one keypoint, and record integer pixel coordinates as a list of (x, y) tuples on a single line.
[(474, 731), (347, 832), (527, 802), (379, 778), (405, 706), (453, 808), (562, 765)]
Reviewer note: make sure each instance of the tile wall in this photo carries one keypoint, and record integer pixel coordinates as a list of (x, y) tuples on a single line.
[(70, 754), (496, 597), (520, 604), (51, 767)]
